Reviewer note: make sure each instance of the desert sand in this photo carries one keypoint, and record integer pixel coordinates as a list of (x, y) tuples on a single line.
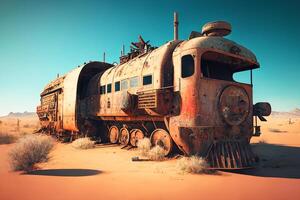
[(108, 173)]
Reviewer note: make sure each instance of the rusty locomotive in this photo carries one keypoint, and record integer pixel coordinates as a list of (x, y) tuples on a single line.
[(181, 95)]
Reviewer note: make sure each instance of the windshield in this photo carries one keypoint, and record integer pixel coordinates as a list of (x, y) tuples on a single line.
[(223, 67)]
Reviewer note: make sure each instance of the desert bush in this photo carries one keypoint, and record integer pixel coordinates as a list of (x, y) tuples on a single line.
[(156, 153), (30, 150), (26, 126), (6, 138), (194, 165), (144, 146), (83, 143)]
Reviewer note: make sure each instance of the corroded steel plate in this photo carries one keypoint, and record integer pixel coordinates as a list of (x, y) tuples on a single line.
[(234, 105)]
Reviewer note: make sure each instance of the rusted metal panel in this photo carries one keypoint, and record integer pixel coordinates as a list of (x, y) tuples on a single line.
[(217, 44), (70, 99)]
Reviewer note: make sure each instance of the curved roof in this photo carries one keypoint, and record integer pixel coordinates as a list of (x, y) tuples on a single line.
[(217, 43)]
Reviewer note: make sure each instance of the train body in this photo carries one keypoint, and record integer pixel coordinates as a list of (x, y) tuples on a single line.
[(181, 95)]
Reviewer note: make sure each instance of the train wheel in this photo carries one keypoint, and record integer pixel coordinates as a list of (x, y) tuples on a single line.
[(113, 134), (135, 135), (124, 136), (162, 138)]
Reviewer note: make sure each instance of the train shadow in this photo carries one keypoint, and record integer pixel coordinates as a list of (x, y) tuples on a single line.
[(64, 172), (275, 161)]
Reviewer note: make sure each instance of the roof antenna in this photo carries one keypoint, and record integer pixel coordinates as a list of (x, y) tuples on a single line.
[(176, 23), (103, 56)]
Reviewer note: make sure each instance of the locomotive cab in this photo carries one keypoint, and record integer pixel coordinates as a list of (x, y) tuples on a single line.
[(216, 112)]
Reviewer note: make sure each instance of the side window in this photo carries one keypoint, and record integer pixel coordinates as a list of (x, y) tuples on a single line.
[(147, 80), (102, 89), (134, 81), (187, 66), (108, 88), (124, 84), (117, 86)]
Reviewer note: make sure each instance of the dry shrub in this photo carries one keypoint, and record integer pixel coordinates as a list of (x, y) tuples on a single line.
[(194, 165), (156, 153), (30, 150), (26, 126), (83, 143), (144, 146), (6, 138)]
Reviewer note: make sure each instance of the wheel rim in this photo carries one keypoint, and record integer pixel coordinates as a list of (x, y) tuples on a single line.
[(162, 138), (113, 134), (124, 136), (135, 135)]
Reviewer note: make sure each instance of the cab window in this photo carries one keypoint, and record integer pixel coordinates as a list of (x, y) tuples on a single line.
[(187, 66), (124, 84), (134, 81), (147, 80), (102, 89), (108, 88), (117, 86)]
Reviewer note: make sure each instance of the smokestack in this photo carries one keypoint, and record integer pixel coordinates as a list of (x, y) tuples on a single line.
[(176, 26), (103, 56)]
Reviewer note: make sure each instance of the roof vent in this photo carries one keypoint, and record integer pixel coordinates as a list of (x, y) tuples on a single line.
[(218, 28)]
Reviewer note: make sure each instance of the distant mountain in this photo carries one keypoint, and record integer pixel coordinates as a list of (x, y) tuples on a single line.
[(20, 114), (295, 113)]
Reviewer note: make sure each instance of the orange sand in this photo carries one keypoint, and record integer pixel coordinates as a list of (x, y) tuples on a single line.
[(109, 173)]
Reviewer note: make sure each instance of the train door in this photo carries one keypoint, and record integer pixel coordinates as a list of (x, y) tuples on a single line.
[(185, 88), (186, 85)]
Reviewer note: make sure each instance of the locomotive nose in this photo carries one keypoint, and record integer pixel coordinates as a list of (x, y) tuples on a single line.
[(234, 105)]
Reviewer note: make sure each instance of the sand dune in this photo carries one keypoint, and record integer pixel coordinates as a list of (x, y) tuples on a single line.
[(109, 173)]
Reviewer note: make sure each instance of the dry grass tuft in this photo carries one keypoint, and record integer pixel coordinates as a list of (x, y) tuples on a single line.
[(6, 138), (30, 150), (83, 143), (144, 146), (156, 153), (194, 165)]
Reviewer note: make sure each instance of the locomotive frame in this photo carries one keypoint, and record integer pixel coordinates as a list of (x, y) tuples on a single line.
[(182, 95)]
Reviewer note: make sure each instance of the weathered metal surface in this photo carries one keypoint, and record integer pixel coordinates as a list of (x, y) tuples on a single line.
[(124, 136), (218, 44), (114, 134), (218, 28), (230, 154), (234, 105), (162, 138), (182, 92), (60, 100), (135, 136)]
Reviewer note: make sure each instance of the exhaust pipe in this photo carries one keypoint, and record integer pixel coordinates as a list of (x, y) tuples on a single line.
[(176, 26)]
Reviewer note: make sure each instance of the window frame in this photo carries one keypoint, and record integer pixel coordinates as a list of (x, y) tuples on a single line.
[(187, 75), (119, 86), (136, 79), (108, 86), (102, 89), (122, 81), (148, 75)]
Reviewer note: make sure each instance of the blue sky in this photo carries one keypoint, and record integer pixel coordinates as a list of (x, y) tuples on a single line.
[(39, 39)]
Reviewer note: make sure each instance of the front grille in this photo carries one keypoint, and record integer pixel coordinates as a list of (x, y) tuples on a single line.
[(231, 154)]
